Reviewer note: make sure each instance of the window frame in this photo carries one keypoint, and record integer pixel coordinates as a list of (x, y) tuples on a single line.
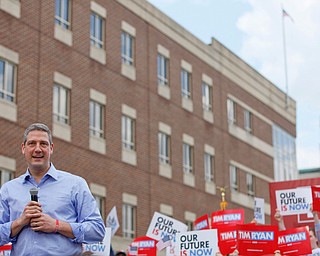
[(5, 176), (7, 84), (250, 184), (128, 132), (163, 70), (127, 48), (63, 17), (188, 161), (248, 121), (164, 141), (231, 110), (206, 96), (58, 114), (129, 222), (97, 30), (100, 200), (185, 83), (234, 178), (208, 168), (96, 119)]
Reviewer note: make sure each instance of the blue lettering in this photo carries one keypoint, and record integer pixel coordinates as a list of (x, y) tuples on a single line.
[(201, 252), (95, 247), (297, 207)]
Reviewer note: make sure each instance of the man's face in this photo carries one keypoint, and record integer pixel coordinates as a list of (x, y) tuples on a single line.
[(37, 151)]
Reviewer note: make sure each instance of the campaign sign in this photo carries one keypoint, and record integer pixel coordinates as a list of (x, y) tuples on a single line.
[(233, 216), (294, 241), (227, 238), (196, 243), (162, 225), (315, 198), (255, 240), (259, 210), (201, 223), (294, 201), (146, 246), (5, 250), (103, 248)]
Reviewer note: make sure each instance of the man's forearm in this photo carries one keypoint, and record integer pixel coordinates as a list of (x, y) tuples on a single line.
[(16, 226), (65, 229)]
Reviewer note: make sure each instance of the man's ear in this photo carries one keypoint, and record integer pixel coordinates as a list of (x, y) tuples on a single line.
[(22, 148)]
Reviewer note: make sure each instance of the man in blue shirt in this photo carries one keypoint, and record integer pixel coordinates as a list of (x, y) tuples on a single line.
[(65, 216)]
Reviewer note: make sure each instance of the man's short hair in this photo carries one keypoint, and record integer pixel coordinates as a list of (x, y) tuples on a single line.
[(37, 127)]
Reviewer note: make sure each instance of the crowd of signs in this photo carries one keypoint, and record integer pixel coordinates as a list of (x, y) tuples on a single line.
[(221, 233)]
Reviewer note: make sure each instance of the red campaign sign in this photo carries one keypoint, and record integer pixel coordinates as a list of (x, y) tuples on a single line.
[(291, 221), (227, 238), (315, 198), (146, 246), (6, 247), (233, 216), (202, 223), (255, 240), (294, 241)]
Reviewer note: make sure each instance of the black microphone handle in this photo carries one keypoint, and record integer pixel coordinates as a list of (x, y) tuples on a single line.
[(34, 198)]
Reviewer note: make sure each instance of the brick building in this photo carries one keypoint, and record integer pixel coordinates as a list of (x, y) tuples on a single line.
[(153, 118)]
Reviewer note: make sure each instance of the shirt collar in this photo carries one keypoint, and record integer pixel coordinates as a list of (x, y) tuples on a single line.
[(52, 172)]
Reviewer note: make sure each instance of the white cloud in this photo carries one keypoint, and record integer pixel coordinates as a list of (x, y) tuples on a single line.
[(262, 47)]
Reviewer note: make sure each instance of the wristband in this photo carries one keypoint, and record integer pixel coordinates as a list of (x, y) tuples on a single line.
[(56, 227)]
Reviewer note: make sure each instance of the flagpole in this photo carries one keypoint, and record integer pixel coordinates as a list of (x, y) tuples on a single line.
[(285, 60)]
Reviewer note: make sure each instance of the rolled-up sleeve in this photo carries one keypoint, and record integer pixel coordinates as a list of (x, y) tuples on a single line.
[(5, 223), (90, 227)]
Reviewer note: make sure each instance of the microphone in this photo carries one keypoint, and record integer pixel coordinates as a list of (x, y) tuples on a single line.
[(34, 194)]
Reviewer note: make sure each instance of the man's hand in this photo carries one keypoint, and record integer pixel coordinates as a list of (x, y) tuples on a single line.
[(44, 223), (279, 219), (31, 210)]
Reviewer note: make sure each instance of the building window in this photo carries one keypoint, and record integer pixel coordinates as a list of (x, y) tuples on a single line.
[(187, 158), (128, 221), (61, 104), (206, 96), (127, 46), (7, 81), (5, 176), (62, 15), (248, 121), (285, 162), (250, 184), (163, 67), (128, 132), (189, 225), (100, 205), (234, 179), (208, 167), (96, 119), (164, 148), (231, 108), (96, 30), (186, 84)]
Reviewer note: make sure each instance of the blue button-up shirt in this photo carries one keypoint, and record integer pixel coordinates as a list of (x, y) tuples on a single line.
[(63, 196)]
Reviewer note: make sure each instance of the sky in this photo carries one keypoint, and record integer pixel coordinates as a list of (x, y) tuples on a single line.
[(252, 29)]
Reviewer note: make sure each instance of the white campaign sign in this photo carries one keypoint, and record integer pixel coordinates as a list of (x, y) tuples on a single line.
[(100, 249), (259, 210), (201, 242), (294, 201), (162, 225)]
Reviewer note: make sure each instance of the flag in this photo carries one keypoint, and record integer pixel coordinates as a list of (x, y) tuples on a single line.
[(133, 250), (285, 14), (112, 221), (164, 242)]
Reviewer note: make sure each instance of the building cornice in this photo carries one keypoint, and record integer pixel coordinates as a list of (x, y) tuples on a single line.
[(218, 57)]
